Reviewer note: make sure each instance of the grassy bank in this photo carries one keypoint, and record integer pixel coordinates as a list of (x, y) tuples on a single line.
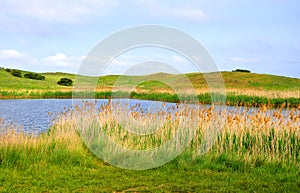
[(232, 99), (254, 152)]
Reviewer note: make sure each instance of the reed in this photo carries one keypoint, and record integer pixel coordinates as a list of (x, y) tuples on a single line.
[(61, 145), (254, 136)]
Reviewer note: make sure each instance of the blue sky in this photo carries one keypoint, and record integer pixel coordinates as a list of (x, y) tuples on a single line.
[(56, 35)]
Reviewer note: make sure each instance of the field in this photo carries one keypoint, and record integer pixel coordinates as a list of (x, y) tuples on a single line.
[(252, 151)]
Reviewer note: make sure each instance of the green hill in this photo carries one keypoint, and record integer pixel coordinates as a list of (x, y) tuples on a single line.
[(232, 80), (243, 89), (10, 82)]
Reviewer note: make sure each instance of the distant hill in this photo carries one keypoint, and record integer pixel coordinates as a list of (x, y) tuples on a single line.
[(235, 80)]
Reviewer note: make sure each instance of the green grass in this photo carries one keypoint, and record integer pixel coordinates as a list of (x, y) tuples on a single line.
[(231, 80), (9, 82), (260, 81), (55, 167), (201, 175)]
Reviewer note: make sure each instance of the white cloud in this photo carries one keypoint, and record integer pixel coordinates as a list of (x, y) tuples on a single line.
[(57, 11), (10, 54), (13, 59), (61, 61), (133, 60), (184, 13)]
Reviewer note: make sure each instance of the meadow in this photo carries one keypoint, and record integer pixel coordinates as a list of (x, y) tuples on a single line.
[(231, 150)]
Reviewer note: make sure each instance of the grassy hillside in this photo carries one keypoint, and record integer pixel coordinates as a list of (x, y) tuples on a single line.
[(248, 89), (9, 82), (233, 80)]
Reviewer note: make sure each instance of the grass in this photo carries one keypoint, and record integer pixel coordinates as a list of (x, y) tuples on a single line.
[(236, 83), (256, 151), (9, 82), (192, 178), (242, 89)]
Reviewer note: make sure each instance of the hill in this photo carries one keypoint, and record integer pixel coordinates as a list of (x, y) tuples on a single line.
[(232, 80), (236, 83)]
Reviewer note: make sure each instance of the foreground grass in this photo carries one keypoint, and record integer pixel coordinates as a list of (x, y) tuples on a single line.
[(202, 175), (58, 167)]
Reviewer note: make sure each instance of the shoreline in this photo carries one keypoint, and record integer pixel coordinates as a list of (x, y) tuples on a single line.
[(206, 98)]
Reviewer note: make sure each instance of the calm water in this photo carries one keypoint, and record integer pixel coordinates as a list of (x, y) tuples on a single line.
[(33, 114)]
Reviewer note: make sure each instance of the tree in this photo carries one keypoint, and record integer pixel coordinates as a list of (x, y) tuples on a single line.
[(16, 73), (241, 70), (35, 76), (65, 82)]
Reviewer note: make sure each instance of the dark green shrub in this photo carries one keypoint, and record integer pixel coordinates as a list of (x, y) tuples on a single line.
[(16, 73), (241, 70), (7, 70), (65, 82), (35, 76)]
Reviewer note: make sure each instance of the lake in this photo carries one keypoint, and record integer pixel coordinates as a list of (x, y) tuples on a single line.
[(36, 115)]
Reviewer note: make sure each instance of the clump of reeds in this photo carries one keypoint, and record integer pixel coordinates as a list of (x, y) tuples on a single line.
[(272, 135), (60, 145), (246, 133), (268, 134)]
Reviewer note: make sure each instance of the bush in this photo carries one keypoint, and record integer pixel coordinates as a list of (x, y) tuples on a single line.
[(16, 73), (35, 76), (241, 70), (7, 70), (65, 82)]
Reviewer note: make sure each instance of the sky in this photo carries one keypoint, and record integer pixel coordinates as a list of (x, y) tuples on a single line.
[(52, 36)]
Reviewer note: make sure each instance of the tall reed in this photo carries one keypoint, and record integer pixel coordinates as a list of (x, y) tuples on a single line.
[(251, 134)]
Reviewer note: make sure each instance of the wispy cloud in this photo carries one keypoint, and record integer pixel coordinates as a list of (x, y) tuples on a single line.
[(55, 11), (10, 54), (184, 13), (62, 60), (13, 58), (58, 62)]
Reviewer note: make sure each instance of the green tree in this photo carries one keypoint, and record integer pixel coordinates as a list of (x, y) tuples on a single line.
[(65, 82), (16, 73), (241, 70), (35, 76)]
